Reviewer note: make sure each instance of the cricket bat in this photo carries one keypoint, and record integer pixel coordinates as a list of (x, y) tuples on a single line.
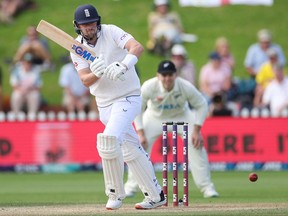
[(65, 40)]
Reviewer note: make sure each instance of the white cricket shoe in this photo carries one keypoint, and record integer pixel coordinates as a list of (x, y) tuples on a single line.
[(210, 192), (113, 202), (150, 204)]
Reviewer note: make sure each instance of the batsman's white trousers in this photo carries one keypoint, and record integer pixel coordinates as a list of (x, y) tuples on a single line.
[(118, 119), (198, 159)]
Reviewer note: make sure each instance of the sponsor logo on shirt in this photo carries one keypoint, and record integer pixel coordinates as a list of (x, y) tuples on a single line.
[(83, 53), (123, 36), (169, 106)]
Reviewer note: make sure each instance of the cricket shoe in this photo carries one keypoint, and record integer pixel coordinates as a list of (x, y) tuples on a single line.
[(210, 192), (113, 202), (150, 204)]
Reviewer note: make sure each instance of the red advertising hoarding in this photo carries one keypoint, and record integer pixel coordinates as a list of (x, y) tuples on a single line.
[(226, 140)]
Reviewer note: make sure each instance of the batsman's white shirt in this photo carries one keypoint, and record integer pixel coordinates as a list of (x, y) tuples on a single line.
[(110, 43)]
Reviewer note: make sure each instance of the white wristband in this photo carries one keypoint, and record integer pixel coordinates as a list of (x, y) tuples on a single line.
[(130, 60)]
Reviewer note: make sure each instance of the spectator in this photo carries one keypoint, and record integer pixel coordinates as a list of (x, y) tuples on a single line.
[(35, 45), (218, 107), (265, 75), (10, 8), (164, 27), (185, 67), (256, 56), (215, 77), (223, 49), (32, 35), (26, 82), (257, 53), (276, 93), (75, 95)]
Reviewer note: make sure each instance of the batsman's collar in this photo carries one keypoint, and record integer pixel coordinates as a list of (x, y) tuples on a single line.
[(166, 67)]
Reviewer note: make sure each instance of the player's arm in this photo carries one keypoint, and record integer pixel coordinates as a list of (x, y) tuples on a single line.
[(134, 47), (116, 70), (197, 138), (89, 73), (142, 139), (200, 105), (87, 77), (145, 90)]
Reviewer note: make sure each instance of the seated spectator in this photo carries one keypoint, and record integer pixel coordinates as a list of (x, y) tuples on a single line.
[(26, 82), (10, 8), (32, 35), (218, 107), (265, 75), (35, 45), (185, 67), (257, 53), (164, 27), (276, 93), (76, 96), (222, 47), (215, 77)]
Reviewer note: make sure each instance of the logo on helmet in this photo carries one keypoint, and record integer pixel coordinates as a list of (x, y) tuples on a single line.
[(87, 13)]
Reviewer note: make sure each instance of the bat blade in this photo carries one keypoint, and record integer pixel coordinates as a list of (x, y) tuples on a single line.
[(65, 40)]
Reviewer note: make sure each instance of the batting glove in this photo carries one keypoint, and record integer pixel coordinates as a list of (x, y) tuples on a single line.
[(115, 70), (98, 66)]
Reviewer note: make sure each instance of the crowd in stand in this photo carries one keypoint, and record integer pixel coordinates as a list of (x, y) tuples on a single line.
[(267, 86), (226, 95)]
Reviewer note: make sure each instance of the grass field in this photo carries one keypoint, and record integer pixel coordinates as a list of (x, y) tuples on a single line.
[(83, 194), (239, 23)]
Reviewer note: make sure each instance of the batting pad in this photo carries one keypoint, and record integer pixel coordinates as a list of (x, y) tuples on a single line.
[(113, 164), (142, 170)]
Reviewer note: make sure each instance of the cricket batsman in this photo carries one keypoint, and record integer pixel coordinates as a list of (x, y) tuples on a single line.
[(112, 79)]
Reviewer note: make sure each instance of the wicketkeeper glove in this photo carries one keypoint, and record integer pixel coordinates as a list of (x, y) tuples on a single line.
[(115, 70), (98, 66)]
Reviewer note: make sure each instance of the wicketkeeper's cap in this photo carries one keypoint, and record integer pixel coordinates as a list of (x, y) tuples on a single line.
[(166, 67)]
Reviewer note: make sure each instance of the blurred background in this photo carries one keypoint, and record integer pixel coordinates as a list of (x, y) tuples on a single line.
[(241, 133), (238, 23)]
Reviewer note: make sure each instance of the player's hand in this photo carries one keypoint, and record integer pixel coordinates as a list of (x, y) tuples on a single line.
[(98, 66), (115, 71), (197, 140)]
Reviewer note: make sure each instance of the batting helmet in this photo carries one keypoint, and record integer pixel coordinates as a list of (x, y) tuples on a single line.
[(86, 14)]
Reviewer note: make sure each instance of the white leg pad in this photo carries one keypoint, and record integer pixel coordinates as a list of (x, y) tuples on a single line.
[(140, 165), (113, 164)]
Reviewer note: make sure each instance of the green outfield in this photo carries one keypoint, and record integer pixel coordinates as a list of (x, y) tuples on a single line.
[(83, 194)]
